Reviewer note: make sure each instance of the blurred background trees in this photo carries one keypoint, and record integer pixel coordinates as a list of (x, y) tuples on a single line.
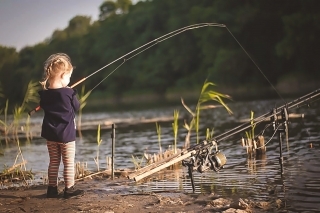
[(281, 37)]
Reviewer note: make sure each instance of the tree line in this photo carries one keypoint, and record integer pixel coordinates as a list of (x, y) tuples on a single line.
[(263, 43)]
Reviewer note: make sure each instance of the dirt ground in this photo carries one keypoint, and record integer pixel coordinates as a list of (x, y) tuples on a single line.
[(106, 195)]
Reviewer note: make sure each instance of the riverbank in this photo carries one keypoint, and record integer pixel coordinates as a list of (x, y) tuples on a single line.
[(291, 88), (102, 194)]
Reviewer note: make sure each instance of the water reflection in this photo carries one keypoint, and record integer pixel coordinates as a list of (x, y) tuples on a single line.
[(258, 178)]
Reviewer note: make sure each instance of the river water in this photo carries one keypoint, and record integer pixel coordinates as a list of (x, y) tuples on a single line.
[(298, 187)]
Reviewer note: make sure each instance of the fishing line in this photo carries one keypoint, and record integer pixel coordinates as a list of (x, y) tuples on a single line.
[(174, 33), (151, 44), (255, 63), (302, 101), (158, 40), (266, 127), (155, 42), (107, 75), (125, 60), (272, 136)]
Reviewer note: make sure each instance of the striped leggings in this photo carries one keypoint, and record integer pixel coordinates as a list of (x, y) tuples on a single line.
[(67, 152)]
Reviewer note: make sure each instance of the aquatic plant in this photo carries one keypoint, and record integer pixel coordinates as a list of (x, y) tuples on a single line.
[(31, 95), (19, 111), (175, 128), (81, 170), (28, 130), (82, 99), (250, 134), (19, 154), (16, 173), (11, 130), (206, 95), (253, 144), (137, 162), (209, 134), (158, 128), (4, 129), (99, 140)]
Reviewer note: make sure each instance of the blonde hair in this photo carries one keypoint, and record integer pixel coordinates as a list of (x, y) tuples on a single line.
[(55, 65)]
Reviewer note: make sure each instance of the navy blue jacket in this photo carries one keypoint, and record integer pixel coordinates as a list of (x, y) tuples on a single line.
[(59, 107)]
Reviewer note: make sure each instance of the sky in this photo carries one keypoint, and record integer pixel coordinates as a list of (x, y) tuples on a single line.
[(28, 22)]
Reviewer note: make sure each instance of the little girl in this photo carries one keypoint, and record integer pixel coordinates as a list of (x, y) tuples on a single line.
[(59, 103)]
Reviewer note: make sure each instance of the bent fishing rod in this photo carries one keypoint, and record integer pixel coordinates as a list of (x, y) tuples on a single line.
[(154, 42), (139, 50)]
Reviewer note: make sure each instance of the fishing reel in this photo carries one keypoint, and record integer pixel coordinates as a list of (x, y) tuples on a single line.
[(217, 160), (203, 160), (206, 160)]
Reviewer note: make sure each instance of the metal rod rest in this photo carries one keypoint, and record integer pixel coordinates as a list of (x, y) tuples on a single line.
[(113, 136)]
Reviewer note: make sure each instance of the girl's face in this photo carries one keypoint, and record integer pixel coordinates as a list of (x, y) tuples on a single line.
[(65, 79)]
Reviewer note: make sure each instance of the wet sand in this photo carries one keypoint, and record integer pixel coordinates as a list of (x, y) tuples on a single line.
[(102, 194)]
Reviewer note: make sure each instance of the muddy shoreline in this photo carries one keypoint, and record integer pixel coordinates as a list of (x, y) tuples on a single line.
[(103, 194)]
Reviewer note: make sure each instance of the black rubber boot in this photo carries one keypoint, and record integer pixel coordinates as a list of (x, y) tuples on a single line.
[(52, 192), (70, 192)]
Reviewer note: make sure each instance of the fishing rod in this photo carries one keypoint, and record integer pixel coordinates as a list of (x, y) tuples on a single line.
[(282, 110), (156, 41), (203, 156), (139, 50)]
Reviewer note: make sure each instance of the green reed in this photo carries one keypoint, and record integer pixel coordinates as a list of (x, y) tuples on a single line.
[(83, 102), (206, 95), (99, 140), (209, 134), (175, 128), (158, 128), (137, 162), (250, 134), (11, 129), (4, 122)]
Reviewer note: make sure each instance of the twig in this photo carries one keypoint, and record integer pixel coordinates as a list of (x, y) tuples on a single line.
[(16, 165), (88, 176)]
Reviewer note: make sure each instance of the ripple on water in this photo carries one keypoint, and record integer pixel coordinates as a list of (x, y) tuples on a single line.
[(256, 178)]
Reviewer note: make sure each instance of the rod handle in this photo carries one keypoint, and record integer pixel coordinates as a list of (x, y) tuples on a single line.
[(34, 110), (78, 82)]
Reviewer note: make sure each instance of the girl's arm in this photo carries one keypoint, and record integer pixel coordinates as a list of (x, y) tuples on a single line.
[(74, 101)]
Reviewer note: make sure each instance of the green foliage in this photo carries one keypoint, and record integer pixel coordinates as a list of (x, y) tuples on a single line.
[(107, 9), (124, 5), (137, 162), (30, 97), (206, 95), (9, 79), (99, 140), (4, 124), (301, 30), (78, 26), (158, 127), (209, 134), (1, 91), (250, 134), (19, 111), (175, 127), (280, 36), (83, 101)]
